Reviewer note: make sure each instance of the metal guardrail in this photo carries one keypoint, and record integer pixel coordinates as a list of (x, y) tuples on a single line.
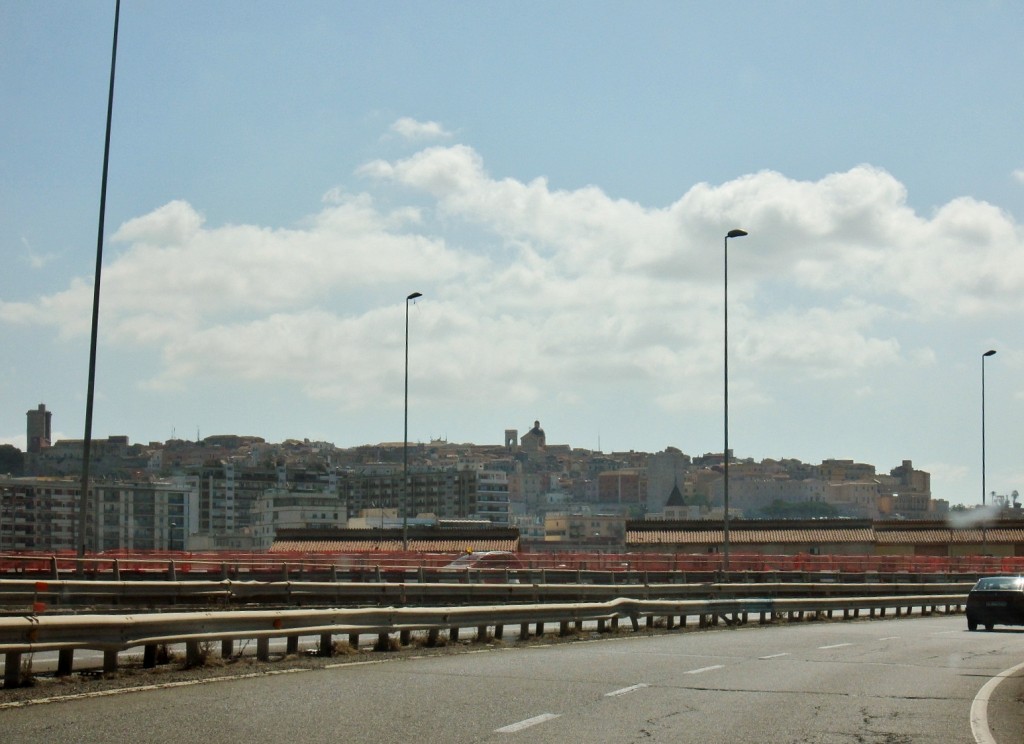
[(115, 633), (18, 594)]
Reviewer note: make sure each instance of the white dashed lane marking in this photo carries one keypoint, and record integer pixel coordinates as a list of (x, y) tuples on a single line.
[(513, 727), (625, 690)]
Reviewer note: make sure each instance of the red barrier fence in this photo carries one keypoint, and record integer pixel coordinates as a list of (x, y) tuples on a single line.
[(253, 564)]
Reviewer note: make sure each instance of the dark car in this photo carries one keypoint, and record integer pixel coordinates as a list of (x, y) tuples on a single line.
[(996, 599)]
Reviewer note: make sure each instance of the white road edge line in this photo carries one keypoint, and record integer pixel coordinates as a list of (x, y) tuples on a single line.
[(513, 727), (834, 645), (705, 669), (626, 690), (773, 656), (979, 708)]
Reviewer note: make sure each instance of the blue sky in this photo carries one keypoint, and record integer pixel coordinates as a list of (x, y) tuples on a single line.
[(556, 178)]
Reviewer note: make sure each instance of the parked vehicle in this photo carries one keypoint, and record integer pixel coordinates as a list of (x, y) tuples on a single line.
[(996, 599), (491, 564)]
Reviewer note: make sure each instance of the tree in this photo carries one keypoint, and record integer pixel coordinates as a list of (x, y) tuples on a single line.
[(12, 460)]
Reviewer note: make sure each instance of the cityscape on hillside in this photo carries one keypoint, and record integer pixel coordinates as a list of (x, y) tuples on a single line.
[(236, 492)]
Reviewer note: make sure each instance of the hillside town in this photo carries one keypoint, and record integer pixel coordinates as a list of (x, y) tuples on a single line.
[(234, 492)]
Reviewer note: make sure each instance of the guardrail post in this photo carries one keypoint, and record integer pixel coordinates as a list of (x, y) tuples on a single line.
[(481, 633), (649, 621), (54, 568), (109, 662), (292, 645), (117, 570), (540, 630), (524, 631), (326, 647), (615, 623), (563, 628), (600, 626), (12, 669), (193, 654), (453, 634), (65, 661), (670, 622), (432, 635), (376, 574), (404, 637), (263, 649), (499, 631), (172, 573), (636, 623), (353, 640), (149, 656), (421, 575), (224, 571), (227, 648)]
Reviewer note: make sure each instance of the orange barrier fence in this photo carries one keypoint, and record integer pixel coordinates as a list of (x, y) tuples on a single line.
[(239, 563)]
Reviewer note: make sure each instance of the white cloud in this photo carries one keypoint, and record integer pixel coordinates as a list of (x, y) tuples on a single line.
[(16, 440), (529, 289), (1019, 175), (418, 131)]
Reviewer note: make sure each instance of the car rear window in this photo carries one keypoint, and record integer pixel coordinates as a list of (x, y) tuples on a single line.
[(999, 583)]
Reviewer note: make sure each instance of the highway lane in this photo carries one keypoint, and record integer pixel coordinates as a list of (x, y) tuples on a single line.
[(885, 682)]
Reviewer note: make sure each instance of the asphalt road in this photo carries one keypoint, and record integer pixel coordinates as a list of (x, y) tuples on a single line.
[(885, 682)]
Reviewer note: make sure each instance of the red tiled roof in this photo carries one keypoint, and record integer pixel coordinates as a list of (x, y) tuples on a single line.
[(370, 546), (942, 536), (773, 536)]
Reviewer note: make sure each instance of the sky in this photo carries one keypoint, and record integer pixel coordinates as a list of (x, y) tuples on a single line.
[(556, 179)]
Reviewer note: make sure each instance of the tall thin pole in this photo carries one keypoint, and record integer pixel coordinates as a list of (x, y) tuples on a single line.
[(737, 233), (984, 528), (87, 441), (405, 432)]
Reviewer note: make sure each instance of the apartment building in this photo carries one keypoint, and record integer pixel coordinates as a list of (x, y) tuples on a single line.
[(295, 508), (43, 514)]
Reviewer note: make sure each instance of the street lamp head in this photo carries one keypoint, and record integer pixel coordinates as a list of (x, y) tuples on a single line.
[(737, 233), (990, 352), (414, 295)]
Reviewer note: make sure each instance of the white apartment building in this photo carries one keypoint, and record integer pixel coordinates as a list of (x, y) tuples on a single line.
[(290, 508)]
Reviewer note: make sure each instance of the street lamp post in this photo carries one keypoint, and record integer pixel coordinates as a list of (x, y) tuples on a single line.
[(737, 233), (984, 532), (405, 432)]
